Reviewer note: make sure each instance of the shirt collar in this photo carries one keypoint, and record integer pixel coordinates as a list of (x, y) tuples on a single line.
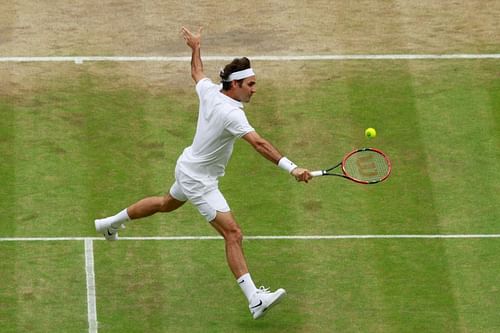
[(231, 101)]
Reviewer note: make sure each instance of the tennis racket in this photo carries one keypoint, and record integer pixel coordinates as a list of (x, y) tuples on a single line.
[(364, 166)]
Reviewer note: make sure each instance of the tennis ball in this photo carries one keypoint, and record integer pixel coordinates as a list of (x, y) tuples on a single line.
[(370, 132)]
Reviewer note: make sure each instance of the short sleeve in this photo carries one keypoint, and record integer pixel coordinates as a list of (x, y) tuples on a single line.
[(237, 124), (204, 87)]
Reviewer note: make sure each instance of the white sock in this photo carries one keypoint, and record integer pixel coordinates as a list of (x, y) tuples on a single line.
[(247, 285), (119, 219)]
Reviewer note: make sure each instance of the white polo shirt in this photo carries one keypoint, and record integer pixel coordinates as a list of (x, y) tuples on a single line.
[(221, 120)]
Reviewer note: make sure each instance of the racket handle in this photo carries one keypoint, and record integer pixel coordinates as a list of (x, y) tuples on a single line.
[(316, 173)]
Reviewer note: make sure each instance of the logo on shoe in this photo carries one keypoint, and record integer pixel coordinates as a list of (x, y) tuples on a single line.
[(256, 306)]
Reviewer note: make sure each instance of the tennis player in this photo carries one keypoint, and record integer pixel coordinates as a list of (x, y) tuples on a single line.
[(221, 121)]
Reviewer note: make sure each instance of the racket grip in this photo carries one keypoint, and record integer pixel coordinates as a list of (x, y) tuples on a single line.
[(316, 173)]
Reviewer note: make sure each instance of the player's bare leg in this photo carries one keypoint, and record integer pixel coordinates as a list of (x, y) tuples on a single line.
[(146, 207), (226, 225), (152, 205), (260, 300)]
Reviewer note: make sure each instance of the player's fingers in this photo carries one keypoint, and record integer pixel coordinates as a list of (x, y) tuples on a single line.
[(186, 33), (304, 176)]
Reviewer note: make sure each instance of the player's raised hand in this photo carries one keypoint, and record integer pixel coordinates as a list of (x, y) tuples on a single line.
[(193, 40)]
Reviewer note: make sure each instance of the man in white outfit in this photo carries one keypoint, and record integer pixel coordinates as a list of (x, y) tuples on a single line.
[(221, 120)]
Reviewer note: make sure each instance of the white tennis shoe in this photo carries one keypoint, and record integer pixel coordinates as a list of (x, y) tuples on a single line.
[(109, 231), (263, 300)]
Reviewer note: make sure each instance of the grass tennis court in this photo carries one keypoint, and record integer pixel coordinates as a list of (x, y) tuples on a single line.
[(79, 142), (84, 149)]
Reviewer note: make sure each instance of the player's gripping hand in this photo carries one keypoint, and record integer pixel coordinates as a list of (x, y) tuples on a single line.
[(301, 175)]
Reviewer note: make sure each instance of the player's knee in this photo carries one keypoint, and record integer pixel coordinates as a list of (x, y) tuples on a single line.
[(234, 234)]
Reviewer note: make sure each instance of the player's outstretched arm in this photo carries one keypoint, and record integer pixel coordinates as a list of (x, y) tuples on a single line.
[(266, 149), (193, 40)]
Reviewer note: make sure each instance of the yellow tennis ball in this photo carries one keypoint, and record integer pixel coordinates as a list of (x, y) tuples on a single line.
[(370, 132)]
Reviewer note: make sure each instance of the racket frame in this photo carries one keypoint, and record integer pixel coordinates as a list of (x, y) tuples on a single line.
[(344, 174)]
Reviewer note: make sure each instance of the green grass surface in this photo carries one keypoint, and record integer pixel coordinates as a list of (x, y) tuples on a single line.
[(42, 287), (340, 286), (86, 148)]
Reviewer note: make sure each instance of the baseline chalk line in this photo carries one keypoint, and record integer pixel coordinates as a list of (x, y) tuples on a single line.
[(326, 57), (89, 240)]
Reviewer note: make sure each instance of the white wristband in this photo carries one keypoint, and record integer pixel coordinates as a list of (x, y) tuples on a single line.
[(286, 164)]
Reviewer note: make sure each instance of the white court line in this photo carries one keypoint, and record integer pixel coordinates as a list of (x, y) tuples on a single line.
[(275, 237), (81, 59), (91, 298)]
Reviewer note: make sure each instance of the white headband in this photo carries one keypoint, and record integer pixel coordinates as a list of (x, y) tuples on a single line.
[(241, 75)]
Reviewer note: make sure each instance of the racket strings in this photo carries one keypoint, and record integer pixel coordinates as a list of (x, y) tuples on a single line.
[(367, 166)]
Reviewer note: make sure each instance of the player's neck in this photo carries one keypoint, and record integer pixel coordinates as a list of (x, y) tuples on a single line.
[(230, 94)]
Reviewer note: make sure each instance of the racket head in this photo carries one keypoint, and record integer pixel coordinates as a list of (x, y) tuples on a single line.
[(366, 166)]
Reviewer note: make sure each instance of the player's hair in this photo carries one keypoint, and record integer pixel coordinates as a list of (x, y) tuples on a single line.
[(238, 64)]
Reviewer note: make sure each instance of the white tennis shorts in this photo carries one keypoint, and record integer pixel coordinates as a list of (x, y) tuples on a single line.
[(203, 193)]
